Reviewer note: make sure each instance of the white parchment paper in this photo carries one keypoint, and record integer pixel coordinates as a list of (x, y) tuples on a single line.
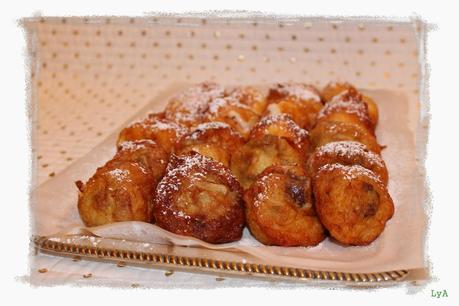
[(401, 245)]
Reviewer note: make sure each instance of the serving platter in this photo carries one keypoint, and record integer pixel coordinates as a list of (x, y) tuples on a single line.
[(387, 260)]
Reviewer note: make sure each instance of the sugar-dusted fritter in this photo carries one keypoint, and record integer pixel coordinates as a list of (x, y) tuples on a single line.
[(297, 91), (155, 127), (147, 153), (259, 153), (190, 106), (280, 210), (118, 191), (251, 97), (347, 153), (335, 88), (373, 111), (216, 140), (282, 126), (330, 131), (229, 110), (300, 101), (303, 113), (199, 197), (352, 203), (346, 108)]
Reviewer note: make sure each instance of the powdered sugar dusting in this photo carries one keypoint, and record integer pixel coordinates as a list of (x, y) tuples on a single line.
[(135, 145), (350, 107), (349, 150), (204, 128), (350, 172), (299, 91), (192, 166), (119, 175)]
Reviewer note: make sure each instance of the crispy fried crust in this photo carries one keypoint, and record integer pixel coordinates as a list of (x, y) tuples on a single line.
[(303, 113), (216, 140), (373, 112), (330, 131), (282, 126), (300, 101), (347, 153), (349, 108), (259, 153), (352, 203), (295, 91), (147, 153), (190, 106), (229, 110), (118, 191), (279, 208), (334, 89), (251, 97), (162, 131), (199, 197)]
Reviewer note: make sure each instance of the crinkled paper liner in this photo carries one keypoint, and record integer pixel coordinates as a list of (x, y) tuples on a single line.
[(400, 246)]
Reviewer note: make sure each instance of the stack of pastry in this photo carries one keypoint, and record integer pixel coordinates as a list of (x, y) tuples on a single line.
[(294, 165)]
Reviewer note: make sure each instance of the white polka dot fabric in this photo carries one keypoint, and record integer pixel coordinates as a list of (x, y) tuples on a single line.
[(90, 74)]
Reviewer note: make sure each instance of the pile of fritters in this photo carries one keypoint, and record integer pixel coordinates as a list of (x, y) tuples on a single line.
[(294, 165)]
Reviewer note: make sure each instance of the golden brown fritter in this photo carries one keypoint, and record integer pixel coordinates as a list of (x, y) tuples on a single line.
[(372, 109), (348, 153), (279, 208), (282, 126), (229, 110), (189, 108), (162, 131), (216, 140), (330, 131), (251, 97), (118, 191), (346, 108), (260, 153), (147, 153), (295, 91), (352, 203), (303, 113), (199, 197), (335, 89), (300, 101)]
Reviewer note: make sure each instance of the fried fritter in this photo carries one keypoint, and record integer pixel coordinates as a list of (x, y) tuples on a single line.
[(229, 110), (216, 140), (352, 203), (163, 131), (199, 197), (189, 108), (347, 153), (346, 108), (147, 153), (282, 126), (296, 91), (303, 113), (279, 208), (330, 131), (260, 153), (372, 109), (251, 97), (118, 191), (335, 88), (300, 101)]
